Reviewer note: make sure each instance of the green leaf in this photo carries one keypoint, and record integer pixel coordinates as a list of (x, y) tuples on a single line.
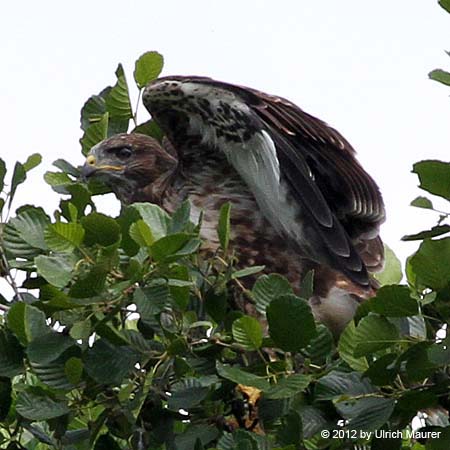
[(169, 245), (418, 364), (306, 290), (156, 218), (48, 347), (445, 4), (30, 224), (59, 181), (147, 68), (247, 332), (150, 128), (179, 285), (26, 322), (374, 333), (370, 413), (346, 347), (194, 433), (140, 232), (438, 74), (430, 263), (5, 398), (439, 352), (137, 341), (52, 375), (239, 376), (57, 270), (66, 167), (268, 287), (288, 387), (95, 133), (441, 440), (35, 405), (189, 248), (77, 436), (118, 99), (246, 272), (127, 217), (383, 371), (240, 440), (18, 177), (73, 369), (434, 177), (112, 334), (392, 272), (100, 229), (180, 220), (91, 283), (2, 174), (108, 364), (291, 323), (335, 384), (393, 301), (416, 327), (216, 305), (33, 161), (92, 111), (422, 202), (313, 419), (15, 246), (223, 229), (81, 329), (106, 442), (40, 435), (151, 300), (437, 230), (11, 355), (64, 237), (187, 394), (321, 347), (291, 430), (53, 297)]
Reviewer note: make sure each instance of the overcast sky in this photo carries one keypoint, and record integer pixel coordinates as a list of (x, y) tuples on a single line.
[(360, 66)]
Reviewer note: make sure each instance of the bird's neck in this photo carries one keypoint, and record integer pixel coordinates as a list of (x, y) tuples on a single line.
[(156, 191)]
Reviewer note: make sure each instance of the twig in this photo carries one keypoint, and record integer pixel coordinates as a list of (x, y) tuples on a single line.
[(9, 278), (137, 107)]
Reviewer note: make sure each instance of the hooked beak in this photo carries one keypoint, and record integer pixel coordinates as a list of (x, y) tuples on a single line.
[(90, 167)]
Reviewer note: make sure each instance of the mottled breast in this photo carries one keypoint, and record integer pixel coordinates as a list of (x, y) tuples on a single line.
[(208, 182)]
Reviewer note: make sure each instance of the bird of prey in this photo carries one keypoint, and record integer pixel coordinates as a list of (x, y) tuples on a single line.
[(300, 199)]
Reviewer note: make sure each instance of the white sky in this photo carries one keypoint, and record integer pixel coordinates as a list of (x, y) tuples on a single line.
[(360, 66)]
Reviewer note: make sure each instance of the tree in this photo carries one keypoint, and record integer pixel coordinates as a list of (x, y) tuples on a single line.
[(122, 335)]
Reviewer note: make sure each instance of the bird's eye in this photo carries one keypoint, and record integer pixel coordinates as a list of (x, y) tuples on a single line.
[(124, 152)]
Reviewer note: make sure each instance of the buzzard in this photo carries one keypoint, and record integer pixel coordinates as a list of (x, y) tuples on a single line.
[(300, 199)]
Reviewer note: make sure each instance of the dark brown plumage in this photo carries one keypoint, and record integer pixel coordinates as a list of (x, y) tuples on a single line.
[(300, 198)]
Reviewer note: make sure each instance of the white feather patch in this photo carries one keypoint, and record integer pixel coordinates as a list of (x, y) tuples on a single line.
[(257, 163)]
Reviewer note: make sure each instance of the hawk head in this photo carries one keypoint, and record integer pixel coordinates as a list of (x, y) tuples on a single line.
[(135, 166)]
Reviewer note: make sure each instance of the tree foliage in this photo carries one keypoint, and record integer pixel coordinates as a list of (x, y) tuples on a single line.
[(121, 334)]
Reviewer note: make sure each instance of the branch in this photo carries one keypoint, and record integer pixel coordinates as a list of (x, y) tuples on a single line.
[(9, 279)]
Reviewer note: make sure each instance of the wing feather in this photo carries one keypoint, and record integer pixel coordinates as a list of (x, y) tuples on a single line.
[(306, 180), (350, 192)]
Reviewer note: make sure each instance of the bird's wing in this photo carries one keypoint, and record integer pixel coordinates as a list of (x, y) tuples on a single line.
[(341, 206), (349, 191), (305, 179)]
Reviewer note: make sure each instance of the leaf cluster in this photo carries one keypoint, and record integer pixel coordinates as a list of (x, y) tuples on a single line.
[(124, 333)]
